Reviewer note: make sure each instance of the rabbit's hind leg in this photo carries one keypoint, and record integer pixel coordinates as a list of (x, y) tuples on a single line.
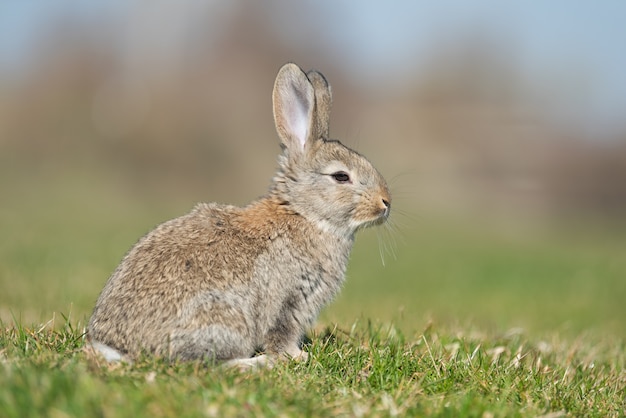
[(212, 342), (110, 354)]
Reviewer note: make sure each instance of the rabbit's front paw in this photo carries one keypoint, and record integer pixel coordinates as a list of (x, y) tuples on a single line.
[(252, 363), (294, 353)]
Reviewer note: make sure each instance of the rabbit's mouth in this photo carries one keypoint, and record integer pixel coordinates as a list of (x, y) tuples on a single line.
[(383, 215), (379, 215)]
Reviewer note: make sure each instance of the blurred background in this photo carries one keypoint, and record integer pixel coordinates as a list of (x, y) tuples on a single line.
[(501, 127)]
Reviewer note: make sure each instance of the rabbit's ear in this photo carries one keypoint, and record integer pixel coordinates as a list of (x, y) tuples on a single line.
[(323, 102), (294, 103)]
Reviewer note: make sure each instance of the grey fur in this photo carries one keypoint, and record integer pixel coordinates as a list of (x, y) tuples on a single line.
[(222, 281)]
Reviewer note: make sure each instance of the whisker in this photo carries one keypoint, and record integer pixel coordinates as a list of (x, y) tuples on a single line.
[(403, 220), (395, 228), (387, 244), (403, 194), (403, 175), (380, 249), (392, 233), (404, 181)]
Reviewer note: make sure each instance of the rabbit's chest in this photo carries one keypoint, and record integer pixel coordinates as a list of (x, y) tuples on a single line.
[(298, 282)]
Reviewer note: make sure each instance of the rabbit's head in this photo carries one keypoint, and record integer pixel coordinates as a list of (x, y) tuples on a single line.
[(321, 179)]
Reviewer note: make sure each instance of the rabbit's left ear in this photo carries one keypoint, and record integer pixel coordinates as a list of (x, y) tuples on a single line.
[(294, 106)]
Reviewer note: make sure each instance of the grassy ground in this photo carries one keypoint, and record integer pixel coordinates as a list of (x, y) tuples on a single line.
[(365, 371), (464, 321)]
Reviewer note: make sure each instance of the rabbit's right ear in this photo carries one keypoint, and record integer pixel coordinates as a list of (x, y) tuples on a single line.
[(294, 104)]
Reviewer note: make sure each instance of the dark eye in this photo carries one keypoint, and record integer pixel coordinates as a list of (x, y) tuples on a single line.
[(341, 177)]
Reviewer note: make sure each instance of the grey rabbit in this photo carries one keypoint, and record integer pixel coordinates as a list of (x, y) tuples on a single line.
[(222, 282)]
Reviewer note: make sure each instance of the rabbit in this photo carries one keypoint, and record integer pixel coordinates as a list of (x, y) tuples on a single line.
[(223, 282)]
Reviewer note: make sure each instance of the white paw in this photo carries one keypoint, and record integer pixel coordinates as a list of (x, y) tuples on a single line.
[(243, 364), (297, 354), (110, 354)]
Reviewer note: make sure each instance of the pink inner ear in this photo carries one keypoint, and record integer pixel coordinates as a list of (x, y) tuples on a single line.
[(298, 120)]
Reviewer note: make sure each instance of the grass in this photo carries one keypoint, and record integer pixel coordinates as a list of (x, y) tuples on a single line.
[(368, 370), (465, 321)]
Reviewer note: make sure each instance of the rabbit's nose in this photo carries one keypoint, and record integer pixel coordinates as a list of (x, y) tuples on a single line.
[(387, 206)]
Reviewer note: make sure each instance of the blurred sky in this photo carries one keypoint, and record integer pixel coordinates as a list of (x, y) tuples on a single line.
[(568, 43)]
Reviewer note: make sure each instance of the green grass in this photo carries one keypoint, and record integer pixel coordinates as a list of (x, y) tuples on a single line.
[(464, 321), (364, 371)]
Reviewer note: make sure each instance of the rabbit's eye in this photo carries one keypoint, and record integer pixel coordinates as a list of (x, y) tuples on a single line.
[(341, 177)]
